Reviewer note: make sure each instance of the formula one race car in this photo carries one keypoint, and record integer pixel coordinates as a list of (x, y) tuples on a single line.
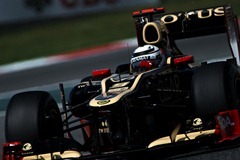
[(163, 100)]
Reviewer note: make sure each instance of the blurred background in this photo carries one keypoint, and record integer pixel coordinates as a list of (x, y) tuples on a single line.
[(40, 28)]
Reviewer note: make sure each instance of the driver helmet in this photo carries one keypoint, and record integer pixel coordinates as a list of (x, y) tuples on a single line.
[(147, 57)]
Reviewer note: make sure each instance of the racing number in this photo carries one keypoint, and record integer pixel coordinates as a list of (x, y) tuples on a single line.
[(167, 86)]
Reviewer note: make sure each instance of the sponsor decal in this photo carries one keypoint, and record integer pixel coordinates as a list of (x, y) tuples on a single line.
[(228, 124), (144, 57), (167, 86), (104, 127), (27, 147), (197, 122), (103, 102), (201, 14), (225, 124), (140, 58)]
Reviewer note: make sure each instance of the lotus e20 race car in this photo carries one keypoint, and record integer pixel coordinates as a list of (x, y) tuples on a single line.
[(162, 100)]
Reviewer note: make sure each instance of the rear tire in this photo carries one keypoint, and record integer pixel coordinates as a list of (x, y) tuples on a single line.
[(215, 88), (32, 116)]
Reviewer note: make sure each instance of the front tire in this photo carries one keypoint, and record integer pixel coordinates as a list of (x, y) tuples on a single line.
[(216, 88), (32, 116)]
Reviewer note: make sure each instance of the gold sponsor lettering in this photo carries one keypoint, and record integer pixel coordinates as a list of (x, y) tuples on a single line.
[(201, 14), (219, 11), (170, 18)]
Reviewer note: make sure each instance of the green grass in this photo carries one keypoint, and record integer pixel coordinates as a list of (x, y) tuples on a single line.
[(60, 36)]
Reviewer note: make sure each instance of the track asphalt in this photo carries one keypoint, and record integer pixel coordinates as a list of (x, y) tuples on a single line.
[(45, 61)]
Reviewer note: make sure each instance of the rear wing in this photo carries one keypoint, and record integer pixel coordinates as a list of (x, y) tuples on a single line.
[(194, 23)]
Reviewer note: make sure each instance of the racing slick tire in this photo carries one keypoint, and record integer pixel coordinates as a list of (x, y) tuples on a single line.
[(80, 94), (215, 88), (32, 115)]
